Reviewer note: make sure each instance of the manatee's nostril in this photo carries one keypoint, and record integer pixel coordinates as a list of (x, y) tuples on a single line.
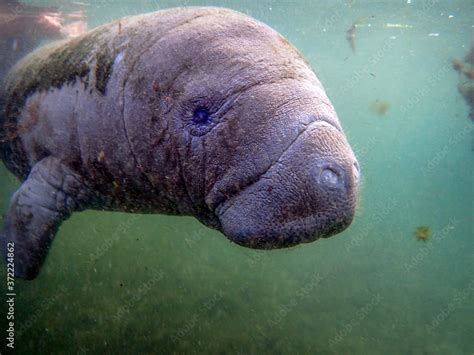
[(356, 171), (329, 177)]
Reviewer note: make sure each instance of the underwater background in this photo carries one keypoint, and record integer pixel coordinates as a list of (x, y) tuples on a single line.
[(123, 283)]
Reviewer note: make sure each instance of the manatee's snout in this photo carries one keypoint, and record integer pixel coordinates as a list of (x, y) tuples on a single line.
[(309, 193)]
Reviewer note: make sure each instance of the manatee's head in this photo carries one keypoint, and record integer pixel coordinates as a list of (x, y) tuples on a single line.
[(300, 181), (262, 155)]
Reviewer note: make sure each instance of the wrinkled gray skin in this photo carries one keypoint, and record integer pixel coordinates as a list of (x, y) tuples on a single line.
[(117, 120)]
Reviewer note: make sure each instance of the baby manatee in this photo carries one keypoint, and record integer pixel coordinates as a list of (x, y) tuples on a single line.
[(188, 111)]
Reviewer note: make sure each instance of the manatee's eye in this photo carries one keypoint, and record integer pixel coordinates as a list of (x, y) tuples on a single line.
[(201, 116)]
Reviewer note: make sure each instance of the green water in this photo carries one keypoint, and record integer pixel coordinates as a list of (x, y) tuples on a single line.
[(118, 283)]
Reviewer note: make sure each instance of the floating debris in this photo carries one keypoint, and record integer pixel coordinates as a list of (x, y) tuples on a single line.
[(465, 68), (380, 107), (423, 233), (397, 25), (458, 64), (468, 72), (351, 32), (350, 35), (469, 58), (467, 91)]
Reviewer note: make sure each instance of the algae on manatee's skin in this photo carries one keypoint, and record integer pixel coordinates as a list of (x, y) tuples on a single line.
[(50, 67), (103, 70), (53, 66)]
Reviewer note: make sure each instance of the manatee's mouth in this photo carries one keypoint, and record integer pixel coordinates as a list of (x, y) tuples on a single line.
[(291, 232), (312, 228)]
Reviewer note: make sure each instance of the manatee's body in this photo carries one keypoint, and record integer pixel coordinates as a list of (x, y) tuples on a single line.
[(191, 111)]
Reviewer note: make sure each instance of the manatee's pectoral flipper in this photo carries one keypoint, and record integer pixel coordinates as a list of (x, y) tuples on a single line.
[(48, 197)]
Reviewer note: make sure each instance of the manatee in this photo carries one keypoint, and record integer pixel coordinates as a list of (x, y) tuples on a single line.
[(188, 111)]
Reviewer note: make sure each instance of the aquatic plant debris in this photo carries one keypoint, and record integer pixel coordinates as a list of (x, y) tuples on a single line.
[(380, 107), (465, 68), (423, 233)]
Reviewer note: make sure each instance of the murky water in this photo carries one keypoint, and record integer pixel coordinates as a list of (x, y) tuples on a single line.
[(122, 283)]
